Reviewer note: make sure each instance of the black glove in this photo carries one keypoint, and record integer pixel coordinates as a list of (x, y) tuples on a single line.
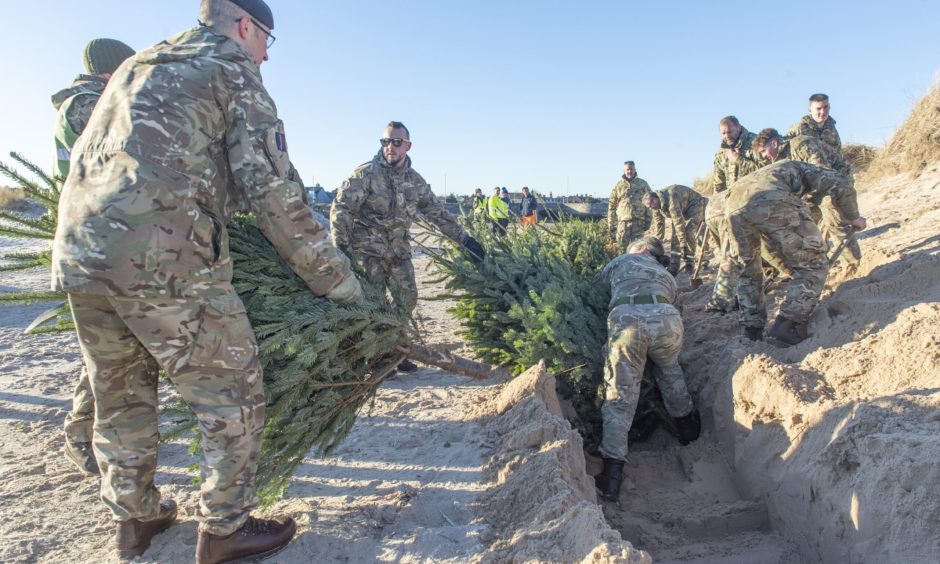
[(475, 248)]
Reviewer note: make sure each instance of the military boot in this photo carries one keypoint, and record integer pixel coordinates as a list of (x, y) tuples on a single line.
[(609, 480), (83, 455), (754, 333), (256, 539), (689, 427), (786, 331), (407, 367), (133, 536)]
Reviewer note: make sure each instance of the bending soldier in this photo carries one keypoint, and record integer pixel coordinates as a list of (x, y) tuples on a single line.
[(685, 209), (767, 206), (642, 324)]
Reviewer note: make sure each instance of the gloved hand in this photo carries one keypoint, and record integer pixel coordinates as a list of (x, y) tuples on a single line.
[(474, 247), (349, 291)]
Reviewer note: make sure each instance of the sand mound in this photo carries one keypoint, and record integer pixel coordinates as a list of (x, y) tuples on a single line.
[(543, 507), (915, 144)]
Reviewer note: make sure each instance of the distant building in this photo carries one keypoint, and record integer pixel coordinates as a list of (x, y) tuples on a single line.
[(319, 195)]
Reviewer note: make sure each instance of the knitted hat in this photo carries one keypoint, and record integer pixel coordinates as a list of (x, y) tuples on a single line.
[(258, 10), (104, 56), (504, 191)]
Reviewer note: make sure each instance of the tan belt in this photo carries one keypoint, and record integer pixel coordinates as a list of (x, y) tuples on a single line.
[(646, 299)]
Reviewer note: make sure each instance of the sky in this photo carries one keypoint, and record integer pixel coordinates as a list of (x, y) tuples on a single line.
[(552, 95)]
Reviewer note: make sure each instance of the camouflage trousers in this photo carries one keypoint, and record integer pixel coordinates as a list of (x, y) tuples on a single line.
[(691, 229), (208, 350), (786, 227), (80, 421), (397, 275), (835, 228), (631, 230), (637, 333)]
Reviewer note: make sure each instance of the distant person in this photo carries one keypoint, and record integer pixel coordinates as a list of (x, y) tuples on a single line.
[(772, 147), (734, 159), (373, 212), (627, 217), (818, 123), (528, 208), (498, 211), (478, 200), (101, 57), (74, 105), (684, 208), (184, 135), (643, 324), (768, 206)]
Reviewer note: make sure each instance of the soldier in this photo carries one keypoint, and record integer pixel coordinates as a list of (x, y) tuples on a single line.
[(627, 217), (373, 212), (818, 123), (768, 206), (735, 158), (184, 135), (642, 324), (685, 208), (771, 147), (101, 57)]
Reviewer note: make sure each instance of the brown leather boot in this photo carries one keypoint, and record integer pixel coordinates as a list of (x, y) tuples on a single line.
[(609, 480), (256, 539), (133, 536)]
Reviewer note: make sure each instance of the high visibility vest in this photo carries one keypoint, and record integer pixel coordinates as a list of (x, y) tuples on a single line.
[(498, 209)]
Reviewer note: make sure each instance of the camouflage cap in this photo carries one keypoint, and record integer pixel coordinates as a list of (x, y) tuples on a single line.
[(258, 10), (104, 56)]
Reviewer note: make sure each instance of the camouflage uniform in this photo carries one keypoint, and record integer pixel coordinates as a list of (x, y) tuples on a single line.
[(727, 172), (74, 106), (627, 217), (685, 208), (372, 215), (184, 136), (832, 225), (826, 132), (768, 206), (637, 331)]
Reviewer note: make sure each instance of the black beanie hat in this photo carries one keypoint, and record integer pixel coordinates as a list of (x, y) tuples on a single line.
[(258, 10)]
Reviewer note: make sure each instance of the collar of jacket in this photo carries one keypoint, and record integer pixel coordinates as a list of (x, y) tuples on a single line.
[(830, 122), (200, 41), (82, 83), (739, 142)]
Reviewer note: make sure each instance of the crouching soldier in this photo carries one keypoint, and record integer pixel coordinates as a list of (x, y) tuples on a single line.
[(685, 208), (642, 324)]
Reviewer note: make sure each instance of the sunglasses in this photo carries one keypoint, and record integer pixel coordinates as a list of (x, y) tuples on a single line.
[(396, 141)]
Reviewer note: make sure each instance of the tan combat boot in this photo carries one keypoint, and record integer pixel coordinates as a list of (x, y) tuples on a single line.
[(256, 539)]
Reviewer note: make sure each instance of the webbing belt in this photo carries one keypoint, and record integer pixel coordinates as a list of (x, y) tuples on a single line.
[(641, 299)]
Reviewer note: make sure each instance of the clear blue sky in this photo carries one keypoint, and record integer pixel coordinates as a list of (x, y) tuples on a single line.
[(553, 95)]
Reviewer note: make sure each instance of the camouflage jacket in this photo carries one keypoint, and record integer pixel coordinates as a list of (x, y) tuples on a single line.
[(637, 274), (810, 150), (678, 204), (626, 201), (375, 207), (184, 136), (794, 181), (826, 132), (74, 106), (727, 172)]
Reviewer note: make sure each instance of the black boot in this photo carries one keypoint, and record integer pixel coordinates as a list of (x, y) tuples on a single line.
[(689, 427), (754, 333), (407, 367), (609, 480), (83, 455), (786, 331)]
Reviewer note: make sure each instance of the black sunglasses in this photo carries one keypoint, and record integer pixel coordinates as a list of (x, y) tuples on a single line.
[(396, 141)]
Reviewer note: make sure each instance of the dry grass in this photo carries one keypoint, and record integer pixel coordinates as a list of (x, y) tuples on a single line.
[(859, 156), (915, 144), (12, 198), (704, 185)]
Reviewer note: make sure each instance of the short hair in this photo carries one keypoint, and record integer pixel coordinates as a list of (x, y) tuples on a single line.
[(729, 120), (649, 197), (220, 14), (649, 243), (631, 163), (818, 98), (765, 136), (399, 125), (526, 188)]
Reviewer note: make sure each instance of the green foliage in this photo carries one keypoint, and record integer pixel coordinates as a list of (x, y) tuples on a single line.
[(533, 297)]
